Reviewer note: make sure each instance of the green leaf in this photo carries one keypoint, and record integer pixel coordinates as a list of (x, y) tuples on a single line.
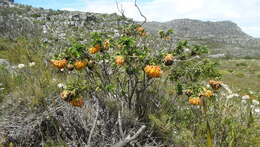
[(209, 136)]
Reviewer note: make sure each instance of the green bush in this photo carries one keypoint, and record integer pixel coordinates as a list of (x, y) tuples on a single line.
[(241, 64), (35, 15)]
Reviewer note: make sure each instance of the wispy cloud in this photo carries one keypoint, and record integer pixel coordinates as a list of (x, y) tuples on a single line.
[(244, 12), (69, 9)]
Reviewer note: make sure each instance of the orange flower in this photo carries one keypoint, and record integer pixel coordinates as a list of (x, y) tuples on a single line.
[(206, 93), (59, 63), (119, 60), (168, 59), (94, 49), (97, 46), (195, 101), (106, 44), (144, 34), (66, 95), (77, 102), (80, 64), (139, 29), (215, 84), (153, 71)]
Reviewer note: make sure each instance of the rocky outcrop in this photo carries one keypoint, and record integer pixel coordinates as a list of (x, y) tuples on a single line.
[(6, 1), (57, 27)]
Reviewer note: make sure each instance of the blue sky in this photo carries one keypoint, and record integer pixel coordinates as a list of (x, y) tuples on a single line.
[(246, 13)]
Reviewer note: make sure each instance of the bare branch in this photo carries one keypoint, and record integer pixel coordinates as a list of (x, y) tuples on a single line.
[(94, 125), (140, 12), (130, 138), (120, 10), (120, 125)]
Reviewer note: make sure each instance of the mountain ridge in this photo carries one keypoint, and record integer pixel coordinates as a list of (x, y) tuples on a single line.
[(224, 37), (220, 26)]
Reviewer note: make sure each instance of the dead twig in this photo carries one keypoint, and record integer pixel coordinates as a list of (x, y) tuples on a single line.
[(94, 125), (120, 125), (140, 12), (129, 138), (120, 10)]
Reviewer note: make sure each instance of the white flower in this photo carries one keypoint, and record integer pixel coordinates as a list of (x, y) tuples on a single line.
[(232, 95), (251, 92), (186, 50), (257, 110), (20, 66), (245, 97), (61, 85), (255, 102), (62, 69), (32, 64), (244, 101), (116, 35), (226, 87)]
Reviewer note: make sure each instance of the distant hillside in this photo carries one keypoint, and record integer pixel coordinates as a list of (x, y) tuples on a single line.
[(200, 29), (55, 28), (58, 27), (7, 1), (224, 36)]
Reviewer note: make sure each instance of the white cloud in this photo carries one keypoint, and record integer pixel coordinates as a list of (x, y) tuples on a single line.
[(69, 9), (244, 12), (232, 14), (165, 10)]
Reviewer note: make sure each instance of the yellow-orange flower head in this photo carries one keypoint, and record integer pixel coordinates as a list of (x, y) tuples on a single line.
[(66, 95), (77, 102), (94, 49), (144, 34), (119, 60), (168, 59), (206, 93), (59, 63), (153, 71), (139, 29), (80, 64), (215, 84), (195, 101), (106, 44)]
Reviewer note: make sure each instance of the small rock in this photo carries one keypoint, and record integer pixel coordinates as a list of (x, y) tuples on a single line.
[(5, 63)]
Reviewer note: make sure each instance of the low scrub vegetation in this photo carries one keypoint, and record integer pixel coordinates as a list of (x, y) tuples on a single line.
[(139, 92)]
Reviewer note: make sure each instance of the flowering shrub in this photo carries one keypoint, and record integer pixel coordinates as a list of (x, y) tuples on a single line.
[(170, 89), (164, 86)]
